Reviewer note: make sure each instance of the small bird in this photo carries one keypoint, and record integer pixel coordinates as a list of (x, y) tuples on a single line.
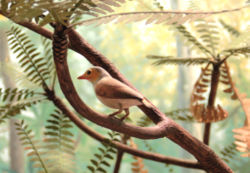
[(112, 92)]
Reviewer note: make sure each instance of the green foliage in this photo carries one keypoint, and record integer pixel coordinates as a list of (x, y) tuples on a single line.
[(105, 154), (191, 39), (181, 115), (45, 12), (10, 95), (9, 110), (48, 54), (228, 153), (209, 34), (16, 100), (239, 51), (34, 66), (56, 154), (32, 146), (160, 60), (230, 29), (58, 143)]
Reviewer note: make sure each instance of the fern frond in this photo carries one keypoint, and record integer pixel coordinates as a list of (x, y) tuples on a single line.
[(192, 40), (14, 108), (201, 85), (94, 8), (209, 34), (21, 10), (242, 139), (9, 95), (170, 60), (137, 165), (156, 17), (243, 40), (230, 29), (58, 135), (31, 145), (33, 65), (201, 112), (59, 145), (181, 115), (227, 80), (48, 54), (244, 101), (105, 154), (242, 50), (228, 153)]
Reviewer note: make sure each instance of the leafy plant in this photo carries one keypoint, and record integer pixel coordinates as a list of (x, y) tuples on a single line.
[(59, 144), (34, 66), (16, 100), (105, 154), (32, 146)]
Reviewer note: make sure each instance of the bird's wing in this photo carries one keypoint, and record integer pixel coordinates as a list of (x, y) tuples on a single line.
[(112, 88)]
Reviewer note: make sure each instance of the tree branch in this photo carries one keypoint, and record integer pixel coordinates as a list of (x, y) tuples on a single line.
[(120, 146), (173, 131), (208, 159), (120, 154)]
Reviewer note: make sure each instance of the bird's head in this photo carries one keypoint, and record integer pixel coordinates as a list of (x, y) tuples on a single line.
[(94, 74)]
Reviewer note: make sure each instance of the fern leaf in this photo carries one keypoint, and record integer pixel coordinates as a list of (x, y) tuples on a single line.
[(157, 17), (197, 106), (192, 39), (242, 50), (106, 152), (230, 29), (209, 34), (160, 60), (30, 145), (228, 153), (10, 95), (34, 66), (242, 139), (181, 115), (14, 108), (58, 143), (48, 54)]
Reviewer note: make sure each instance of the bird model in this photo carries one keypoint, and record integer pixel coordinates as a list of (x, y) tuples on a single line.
[(112, 92)]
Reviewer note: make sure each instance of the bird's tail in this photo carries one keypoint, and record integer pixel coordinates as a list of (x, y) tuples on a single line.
[(146, 102)]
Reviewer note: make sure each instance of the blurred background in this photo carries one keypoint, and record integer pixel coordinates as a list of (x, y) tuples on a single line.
[(167, 86)]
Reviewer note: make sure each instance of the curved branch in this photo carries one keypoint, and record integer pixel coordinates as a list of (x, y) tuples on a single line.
[(60, 42), (120, 146), (208, 159), (166, 126)]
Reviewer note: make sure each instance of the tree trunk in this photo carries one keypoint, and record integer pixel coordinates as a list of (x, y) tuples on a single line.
[(15, 148)]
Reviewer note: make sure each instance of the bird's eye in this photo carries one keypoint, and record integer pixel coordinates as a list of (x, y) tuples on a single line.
[(88, 72)]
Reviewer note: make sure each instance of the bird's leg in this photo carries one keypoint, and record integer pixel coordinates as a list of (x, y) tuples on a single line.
[(125, 116), (117, 112)]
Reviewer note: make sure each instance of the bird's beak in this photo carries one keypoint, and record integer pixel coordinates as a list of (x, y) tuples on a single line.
[(82, 77)]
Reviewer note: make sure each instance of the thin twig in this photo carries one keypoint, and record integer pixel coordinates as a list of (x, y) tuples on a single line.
[(120, 154)]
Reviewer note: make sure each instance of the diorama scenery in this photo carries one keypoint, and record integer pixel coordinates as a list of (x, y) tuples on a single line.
[(124, 86)]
